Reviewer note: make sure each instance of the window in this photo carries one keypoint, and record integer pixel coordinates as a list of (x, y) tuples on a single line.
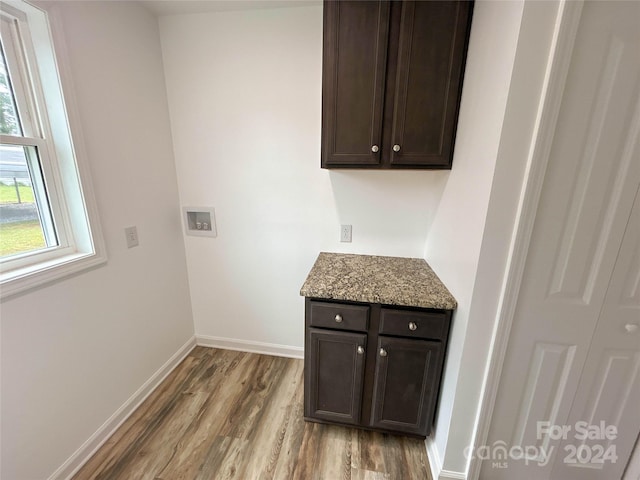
[(48, 225)]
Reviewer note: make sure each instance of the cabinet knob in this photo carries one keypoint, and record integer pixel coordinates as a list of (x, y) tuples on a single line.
[(360, 349), (383, 352), (631, 327), (374, 148), (396, 148), (338, 318), (412, 326)]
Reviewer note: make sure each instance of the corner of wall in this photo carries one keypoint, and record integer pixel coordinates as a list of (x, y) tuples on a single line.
[(526, 33), (454, 243)]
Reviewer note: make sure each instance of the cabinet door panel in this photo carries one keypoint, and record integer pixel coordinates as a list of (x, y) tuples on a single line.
[(406, 384), (432, 51), (354, 65), (334, 372)]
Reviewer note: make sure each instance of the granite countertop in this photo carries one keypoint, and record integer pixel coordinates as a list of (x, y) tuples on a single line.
[(372, 279)]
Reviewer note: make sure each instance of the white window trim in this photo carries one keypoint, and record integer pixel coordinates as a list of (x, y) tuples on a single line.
[(72, 177)]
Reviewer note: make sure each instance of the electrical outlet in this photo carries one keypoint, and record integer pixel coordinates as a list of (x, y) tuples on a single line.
[(131, 233), (345, 233)]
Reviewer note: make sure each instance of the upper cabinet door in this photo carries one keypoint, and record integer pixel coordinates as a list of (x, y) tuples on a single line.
[(392, 78), (431, 56), (354, 66)]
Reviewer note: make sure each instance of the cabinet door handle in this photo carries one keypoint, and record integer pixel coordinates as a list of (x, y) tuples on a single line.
[(360, 349), (631, 327), (396, 148), (374, 148), (413, 326), (338, 318), (383, 352)]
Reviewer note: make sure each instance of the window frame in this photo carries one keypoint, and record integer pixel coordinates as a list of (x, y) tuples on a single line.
[(54, 130)]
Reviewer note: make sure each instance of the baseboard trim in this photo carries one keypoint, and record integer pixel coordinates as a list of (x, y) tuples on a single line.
[(86, 451), (250, 346), (450, 475), (435, 464)]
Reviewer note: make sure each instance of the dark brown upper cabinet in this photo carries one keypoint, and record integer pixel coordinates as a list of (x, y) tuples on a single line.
[(392, 79)]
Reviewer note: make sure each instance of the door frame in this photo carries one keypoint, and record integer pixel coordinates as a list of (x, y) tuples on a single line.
[(565, 31), (632, 471)]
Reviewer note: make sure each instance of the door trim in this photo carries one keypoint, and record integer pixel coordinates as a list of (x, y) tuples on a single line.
[(565, 31), (632, 471)]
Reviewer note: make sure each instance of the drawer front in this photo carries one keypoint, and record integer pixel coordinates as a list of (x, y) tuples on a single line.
[(404, 323), (340, 316)]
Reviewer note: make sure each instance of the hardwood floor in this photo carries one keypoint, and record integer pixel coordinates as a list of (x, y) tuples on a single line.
[(223, 414)]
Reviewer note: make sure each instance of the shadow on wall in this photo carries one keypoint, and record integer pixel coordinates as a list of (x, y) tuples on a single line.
[(391, 211)]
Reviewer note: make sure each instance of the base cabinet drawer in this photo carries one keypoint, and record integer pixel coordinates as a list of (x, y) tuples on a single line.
[(340, 316), (334, 373), (412, 324), (404, 392)]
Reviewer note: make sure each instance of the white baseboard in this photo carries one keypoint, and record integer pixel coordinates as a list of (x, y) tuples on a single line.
[(435, 464), (86, 451), (451, 475), (250, 346)]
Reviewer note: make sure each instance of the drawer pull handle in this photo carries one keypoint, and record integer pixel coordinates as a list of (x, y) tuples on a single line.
[(360, 349), (383, 352), (338, 318), (374, 148), (413, 326)]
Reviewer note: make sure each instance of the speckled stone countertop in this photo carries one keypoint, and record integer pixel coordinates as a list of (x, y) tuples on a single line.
[(371, 279)]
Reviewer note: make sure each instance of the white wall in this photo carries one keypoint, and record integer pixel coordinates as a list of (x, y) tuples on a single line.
[(510, 45), (73, 352), (244, 92), (453, 244)]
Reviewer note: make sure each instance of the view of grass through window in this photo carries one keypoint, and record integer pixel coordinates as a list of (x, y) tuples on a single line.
[(19, 231), (20, 227)]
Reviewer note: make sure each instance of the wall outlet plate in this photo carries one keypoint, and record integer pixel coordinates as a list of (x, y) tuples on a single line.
[(131, 233), (345, 233), (200, 221)]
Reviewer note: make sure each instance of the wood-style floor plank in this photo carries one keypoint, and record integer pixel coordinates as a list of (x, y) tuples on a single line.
[(224, 414)]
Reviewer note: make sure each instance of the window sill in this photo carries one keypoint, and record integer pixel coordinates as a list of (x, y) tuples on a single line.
[(23, 279)]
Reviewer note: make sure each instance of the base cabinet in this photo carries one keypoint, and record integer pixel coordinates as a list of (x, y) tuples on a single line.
[(374, 366)]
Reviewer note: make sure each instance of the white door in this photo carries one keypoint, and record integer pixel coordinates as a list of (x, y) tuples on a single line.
[(585, 207), (609, 390)]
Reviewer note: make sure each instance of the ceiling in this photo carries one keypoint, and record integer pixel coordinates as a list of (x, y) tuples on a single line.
[(179, 7)]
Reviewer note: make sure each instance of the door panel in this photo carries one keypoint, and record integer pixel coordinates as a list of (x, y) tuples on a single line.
[(354, 65), (406, 382), (544, 390), (588, 194), (334, 375), (599, 183)]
